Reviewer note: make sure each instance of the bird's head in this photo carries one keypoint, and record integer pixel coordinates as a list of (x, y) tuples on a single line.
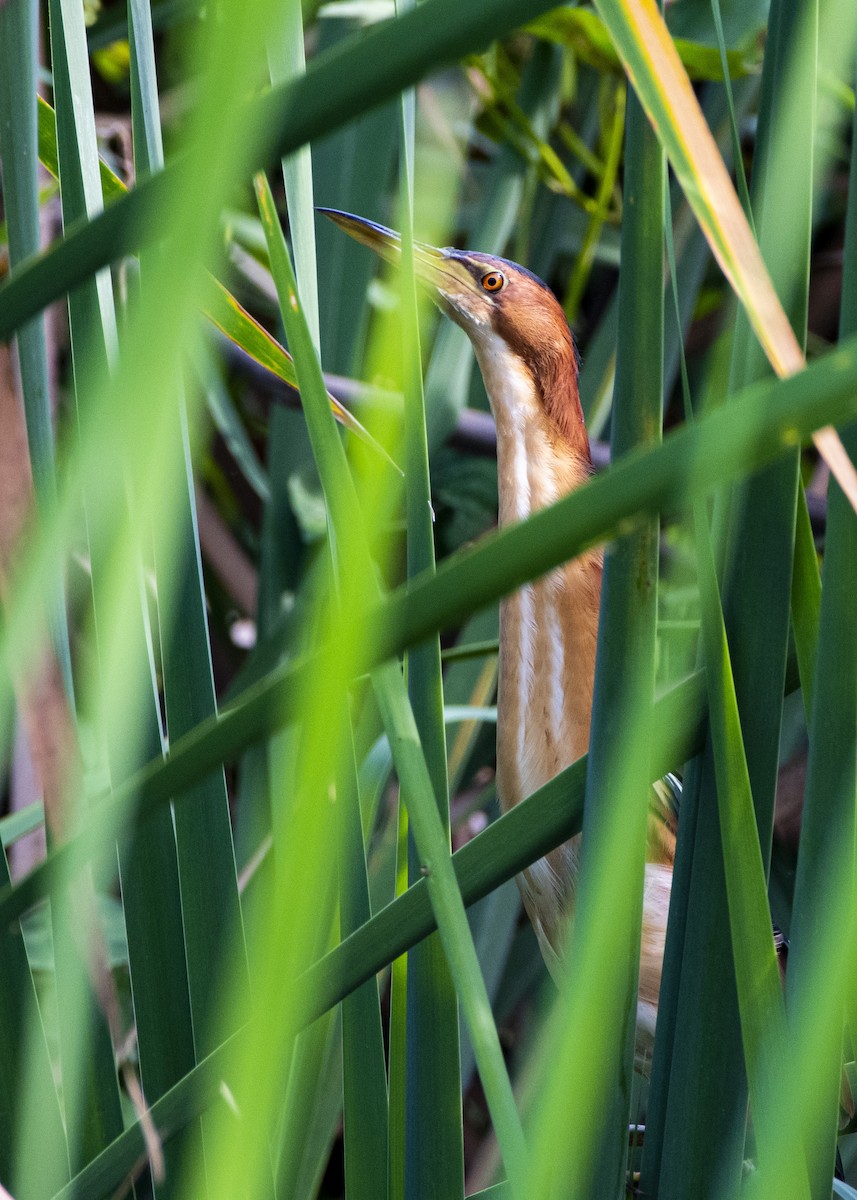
[(513, 319)]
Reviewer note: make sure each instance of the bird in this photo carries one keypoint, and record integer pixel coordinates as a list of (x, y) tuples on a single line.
[(548, 628)]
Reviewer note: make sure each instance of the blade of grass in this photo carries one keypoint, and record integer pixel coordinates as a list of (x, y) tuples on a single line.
[(282, 561), (760, 1004), (648, 52), (757, 976), (448, 907), (27, 1090), (788, 85), (692, 251), (473, 680), (824, 884), (433, 1054), (112, 187), (598, 1052), (364, 1075), (286, 61), (365, 1102), (355, 578), (240, 1159), (227, 421), (148, 866), (824, 887), (90, 1087), (805, 601), (352, 169), (323, 1099), (312, 1105), (397, 1071), (227, 315), (756, 611), (18, 824), (18, 143), (586, 257), (737, 155), (210, 907), (668, 997), (495, 922), (270, 778), (18, 147)]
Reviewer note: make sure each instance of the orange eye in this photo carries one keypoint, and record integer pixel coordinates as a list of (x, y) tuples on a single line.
[(493, 281)]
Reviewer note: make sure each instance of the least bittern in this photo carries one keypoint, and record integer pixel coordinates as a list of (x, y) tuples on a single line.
[(548, 628)]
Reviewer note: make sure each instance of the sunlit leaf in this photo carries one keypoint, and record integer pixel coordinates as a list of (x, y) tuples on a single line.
[(650, 57), (584, 32)]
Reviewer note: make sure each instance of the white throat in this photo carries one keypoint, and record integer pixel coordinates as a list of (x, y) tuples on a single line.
[(548, 627)]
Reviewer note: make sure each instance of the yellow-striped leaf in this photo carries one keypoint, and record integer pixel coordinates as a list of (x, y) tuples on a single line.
[(655, 70)]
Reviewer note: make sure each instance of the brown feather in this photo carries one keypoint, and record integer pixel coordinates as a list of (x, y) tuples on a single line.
[(533, 325)]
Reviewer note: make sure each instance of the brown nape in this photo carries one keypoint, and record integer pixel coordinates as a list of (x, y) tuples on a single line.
[(529, 318)]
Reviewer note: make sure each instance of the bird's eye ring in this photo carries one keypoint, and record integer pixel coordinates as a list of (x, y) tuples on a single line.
[(493, 281)]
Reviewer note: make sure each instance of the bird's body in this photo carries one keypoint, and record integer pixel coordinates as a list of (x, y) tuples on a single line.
[(549, 627)]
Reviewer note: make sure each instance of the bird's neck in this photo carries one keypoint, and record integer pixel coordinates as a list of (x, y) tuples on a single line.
[(549, 627)]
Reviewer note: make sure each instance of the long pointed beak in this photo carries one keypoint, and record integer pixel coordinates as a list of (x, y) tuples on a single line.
[(379, 238), (446, 279)]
